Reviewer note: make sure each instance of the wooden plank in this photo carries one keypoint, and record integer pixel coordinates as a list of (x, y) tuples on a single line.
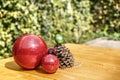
[(96, 63)]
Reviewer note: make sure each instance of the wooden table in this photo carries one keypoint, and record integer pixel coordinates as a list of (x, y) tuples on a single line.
[(96, 64)]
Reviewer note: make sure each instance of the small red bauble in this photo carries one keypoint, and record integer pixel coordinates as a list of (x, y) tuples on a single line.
[(50, 63)]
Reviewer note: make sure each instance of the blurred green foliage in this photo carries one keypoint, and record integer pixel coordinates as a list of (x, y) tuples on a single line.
[(106, 18), (77, 20)]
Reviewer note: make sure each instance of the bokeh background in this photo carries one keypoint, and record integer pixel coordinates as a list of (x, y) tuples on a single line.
[(77, 21)]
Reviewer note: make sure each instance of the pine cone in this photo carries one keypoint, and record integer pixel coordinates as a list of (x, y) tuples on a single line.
[(64, 55)]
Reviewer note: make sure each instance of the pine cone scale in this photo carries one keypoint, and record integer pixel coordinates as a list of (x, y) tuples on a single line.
[(64, 55)]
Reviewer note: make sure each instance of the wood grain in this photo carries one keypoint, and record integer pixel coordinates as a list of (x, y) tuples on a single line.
[(91, 63)]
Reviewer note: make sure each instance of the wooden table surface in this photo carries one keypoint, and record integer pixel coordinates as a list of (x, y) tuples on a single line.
[(96, 64)]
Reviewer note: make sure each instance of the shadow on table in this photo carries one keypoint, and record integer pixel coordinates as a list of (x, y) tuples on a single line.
[(39, 70), (13, 66)]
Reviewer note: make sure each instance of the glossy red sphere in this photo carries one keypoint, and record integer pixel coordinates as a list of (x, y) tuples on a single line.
[(50, 63), (28, 51)]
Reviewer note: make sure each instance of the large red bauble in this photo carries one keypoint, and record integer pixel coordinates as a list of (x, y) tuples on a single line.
[(50, 63), (28, 51)]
